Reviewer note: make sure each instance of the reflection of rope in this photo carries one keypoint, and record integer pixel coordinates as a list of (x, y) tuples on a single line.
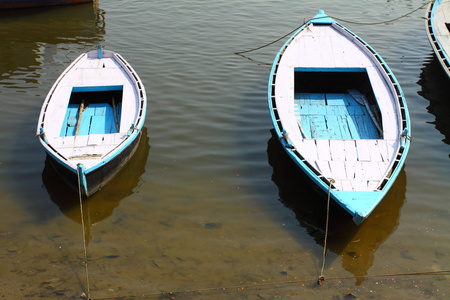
[(84, 235), (321, 277), (338, 19)]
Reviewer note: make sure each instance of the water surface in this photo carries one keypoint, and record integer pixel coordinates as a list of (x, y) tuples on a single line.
[(211, 208)]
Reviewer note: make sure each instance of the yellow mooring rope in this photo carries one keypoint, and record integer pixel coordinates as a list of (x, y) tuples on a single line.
[(321, 277), (84, 238)]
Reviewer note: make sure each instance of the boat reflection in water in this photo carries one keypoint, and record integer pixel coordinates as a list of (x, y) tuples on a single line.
[(36, 36), (436, 89), (17, 4), (100, 205), (356, 245)]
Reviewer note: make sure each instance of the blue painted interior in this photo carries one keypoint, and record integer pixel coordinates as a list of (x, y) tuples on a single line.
[(333, 116), (98, 113), (97, 118), (77, 89), (331, 69)]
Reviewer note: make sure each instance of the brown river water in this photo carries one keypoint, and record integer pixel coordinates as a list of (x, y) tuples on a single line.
[(210, 207)]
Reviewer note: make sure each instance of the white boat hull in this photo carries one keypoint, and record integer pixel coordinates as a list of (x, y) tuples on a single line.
[(91, 119)]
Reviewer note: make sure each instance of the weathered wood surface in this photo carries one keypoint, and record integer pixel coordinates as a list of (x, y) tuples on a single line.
[(86, 149)]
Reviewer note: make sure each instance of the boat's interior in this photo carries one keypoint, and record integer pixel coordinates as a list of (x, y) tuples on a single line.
[(93, 111), (336, 105)]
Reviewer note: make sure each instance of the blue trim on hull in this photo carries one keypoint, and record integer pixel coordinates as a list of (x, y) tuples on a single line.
[(433, 11), (94, 178), (440, 52), (367, 201), (81, 176), (100, 88)]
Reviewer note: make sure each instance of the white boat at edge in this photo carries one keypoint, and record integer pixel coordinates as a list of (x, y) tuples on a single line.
[(340, 114), (91, 119), (437, 23)]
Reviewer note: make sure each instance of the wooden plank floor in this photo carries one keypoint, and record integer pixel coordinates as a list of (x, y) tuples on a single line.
[(333, 116), (97, 118)]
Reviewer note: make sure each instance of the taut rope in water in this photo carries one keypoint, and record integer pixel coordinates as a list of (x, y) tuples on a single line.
[(321, 277), (387, 21), (84, 237), (261, 285), (337, 19)]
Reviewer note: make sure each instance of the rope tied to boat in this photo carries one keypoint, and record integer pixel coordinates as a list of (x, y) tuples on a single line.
[(284, 138), (41, 134), (406, 136), (240, 53), (321, 278), (387, 21), (84, 238)]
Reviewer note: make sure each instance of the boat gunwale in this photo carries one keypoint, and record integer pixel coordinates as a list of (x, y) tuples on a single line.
[(438, 50)]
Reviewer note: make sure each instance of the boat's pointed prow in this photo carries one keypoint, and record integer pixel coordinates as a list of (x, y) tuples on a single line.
[(322, 18), (359, 204)]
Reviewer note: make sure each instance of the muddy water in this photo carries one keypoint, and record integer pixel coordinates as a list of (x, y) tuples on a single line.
[(211, 207)]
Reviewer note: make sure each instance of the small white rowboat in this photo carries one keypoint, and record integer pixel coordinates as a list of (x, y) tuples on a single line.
[(437, 23), (91, 119), (340, 114)]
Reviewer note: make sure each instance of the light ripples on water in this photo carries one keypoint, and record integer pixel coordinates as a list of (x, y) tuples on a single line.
[(212, 200)]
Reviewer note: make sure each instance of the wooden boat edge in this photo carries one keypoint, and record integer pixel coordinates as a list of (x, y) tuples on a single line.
[(444, 60)]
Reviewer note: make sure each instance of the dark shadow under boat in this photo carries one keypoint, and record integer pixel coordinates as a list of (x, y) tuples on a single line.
[(100, 205), (356, 245), (436, 88), (9, 5)]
